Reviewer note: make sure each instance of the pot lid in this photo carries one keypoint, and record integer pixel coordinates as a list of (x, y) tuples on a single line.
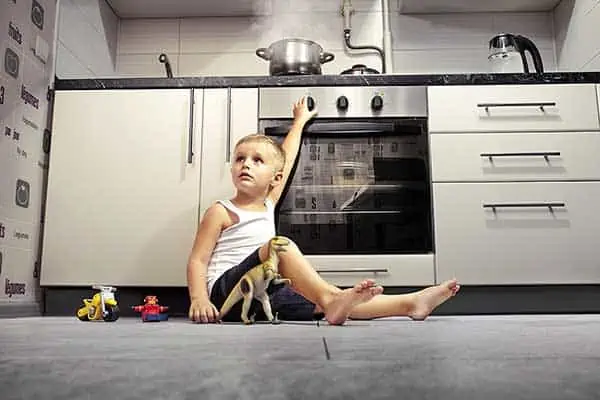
[(358, 69)]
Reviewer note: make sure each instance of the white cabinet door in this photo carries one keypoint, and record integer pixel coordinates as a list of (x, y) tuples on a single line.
[(509, 108), (517, 233), (123, 187), (229, 114), (529, 156)]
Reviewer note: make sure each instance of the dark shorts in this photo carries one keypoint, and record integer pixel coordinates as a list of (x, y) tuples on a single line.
[(288, 304)]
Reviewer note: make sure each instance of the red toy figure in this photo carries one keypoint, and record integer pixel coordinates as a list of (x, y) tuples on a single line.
[(151, 311)]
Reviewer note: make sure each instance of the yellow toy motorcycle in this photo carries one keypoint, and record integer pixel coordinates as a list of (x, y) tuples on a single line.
[(102, 306)]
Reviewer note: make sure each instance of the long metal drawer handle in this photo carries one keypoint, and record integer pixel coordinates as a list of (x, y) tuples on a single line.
[(190, 154), (544, 154), (541, 105), (347, 270), (549, 205)]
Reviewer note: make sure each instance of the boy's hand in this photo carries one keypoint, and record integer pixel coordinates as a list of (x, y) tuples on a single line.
[(301, 113), (203, 311)]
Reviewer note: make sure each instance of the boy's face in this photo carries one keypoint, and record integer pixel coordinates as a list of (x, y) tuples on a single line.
[(254, 169)]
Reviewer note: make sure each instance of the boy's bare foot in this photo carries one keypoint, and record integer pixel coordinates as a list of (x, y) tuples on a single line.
[(339, 307), (428, 299)]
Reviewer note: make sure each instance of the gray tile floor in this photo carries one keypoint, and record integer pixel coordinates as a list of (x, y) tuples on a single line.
[(462, 357)]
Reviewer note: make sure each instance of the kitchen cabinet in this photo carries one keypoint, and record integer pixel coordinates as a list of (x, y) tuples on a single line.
[(123, 187), (229, 114), (220, 8), (513, 108), (518, 232), (473, 6), (187, 8), (515, 156), (512, 184)]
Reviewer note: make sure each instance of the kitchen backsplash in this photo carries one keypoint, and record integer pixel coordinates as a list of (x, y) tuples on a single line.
[(225, 46), (449, 43), (577, 26), (87, 39), (27, 49)]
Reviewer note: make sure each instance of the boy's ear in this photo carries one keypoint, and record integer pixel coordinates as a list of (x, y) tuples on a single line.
[(277, 178)]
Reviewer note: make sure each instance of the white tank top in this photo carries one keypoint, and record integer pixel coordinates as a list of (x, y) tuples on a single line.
[(237, 242)]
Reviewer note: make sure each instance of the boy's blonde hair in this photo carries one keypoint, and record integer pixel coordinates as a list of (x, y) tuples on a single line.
[(278, 153)]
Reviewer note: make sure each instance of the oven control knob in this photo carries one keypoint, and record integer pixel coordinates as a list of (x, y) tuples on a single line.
[(310, 103), (342, 103), (377, 103)]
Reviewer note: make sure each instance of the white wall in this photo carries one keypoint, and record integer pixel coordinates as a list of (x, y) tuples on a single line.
[(87, 39), (577, 26), (24, 81), (455, 43), (444, 43)]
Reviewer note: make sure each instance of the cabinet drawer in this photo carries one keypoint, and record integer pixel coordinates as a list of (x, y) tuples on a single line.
[(386, 270), (508, 108), (515, 156), (517, 233)]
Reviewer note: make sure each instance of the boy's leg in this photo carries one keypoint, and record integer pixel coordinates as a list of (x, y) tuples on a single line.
[(335, 303), (305, 280), (289, 305), (225, 284), (416, 305), (361, 302)]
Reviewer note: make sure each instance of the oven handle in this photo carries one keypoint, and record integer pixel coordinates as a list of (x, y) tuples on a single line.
[(363, 128), (350, 270)]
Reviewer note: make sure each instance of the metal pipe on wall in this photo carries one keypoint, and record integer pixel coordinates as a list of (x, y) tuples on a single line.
[(387, 37), (385, 53), (347, 11)]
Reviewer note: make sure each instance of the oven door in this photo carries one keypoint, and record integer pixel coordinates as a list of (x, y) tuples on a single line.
[(358, 201)]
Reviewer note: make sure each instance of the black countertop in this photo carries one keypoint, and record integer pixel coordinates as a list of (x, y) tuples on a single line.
[(328, 80)]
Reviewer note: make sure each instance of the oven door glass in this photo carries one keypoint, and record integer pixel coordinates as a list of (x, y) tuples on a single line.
[(358, 188)]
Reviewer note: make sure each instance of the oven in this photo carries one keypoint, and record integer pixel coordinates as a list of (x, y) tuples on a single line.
[(358, 201)]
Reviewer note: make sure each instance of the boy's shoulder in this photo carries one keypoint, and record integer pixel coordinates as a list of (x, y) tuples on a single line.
[(217, 213), (215, 209)]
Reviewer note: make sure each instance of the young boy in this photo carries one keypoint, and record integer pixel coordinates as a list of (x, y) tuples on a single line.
[(233, 237)]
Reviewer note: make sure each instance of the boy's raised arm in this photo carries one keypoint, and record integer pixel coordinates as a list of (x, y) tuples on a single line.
[(291, 143)]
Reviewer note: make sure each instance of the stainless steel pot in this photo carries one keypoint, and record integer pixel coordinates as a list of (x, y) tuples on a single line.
[(295, 57)]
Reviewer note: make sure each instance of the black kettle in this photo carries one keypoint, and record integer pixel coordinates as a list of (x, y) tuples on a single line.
[(507, 54)]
